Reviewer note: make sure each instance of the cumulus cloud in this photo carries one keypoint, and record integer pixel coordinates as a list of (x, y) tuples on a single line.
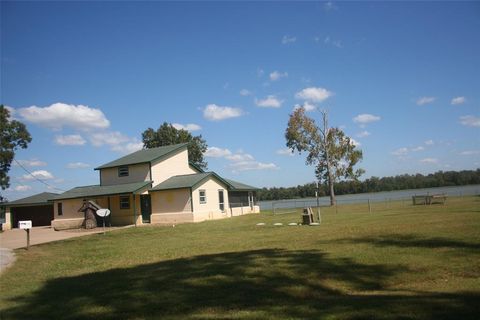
[(31, 163), (116, 140), (306, 105), (59, 115), (188, 126), (458, 100), (245, 92), (251, 165), (214, 112), (314, 94), (365, 118), (288, 39), (269, 102), (240, 157), (70, 140), (39, 174), (285, 152), (363, 134), (429, 160), (425, 100), (276, 75), (470, 152), (400, 152), (22, 188), (416, 149), (470, 121), (214, 152), (77, 165), (128, 147)]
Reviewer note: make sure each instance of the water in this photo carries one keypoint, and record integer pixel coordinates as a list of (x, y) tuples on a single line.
[(468, 190)]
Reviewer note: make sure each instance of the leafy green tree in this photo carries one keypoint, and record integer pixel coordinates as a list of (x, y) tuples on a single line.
[(167, 134), (13, 135), (329, 149)]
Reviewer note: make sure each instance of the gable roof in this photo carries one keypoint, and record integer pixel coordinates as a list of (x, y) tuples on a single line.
[(187, 181), (238, 186), (97, 191), (144, 156), (36, 199)]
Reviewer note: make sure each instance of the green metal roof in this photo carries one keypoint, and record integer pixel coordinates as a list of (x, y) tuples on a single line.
[(37, 199), (187, 181), (96, 191), (238, 186), (144, 156)]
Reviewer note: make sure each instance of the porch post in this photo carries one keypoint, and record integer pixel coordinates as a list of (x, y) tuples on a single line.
[(134, 210)]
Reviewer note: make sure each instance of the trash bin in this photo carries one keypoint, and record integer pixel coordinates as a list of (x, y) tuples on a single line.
[(306, 217)]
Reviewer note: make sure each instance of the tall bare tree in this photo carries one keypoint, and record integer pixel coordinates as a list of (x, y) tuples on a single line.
[(329, 149)]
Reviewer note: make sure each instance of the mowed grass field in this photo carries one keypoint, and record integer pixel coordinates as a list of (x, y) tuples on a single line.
[(400, 262)]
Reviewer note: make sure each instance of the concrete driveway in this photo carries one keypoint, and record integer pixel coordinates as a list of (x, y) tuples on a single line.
[(17, 238)]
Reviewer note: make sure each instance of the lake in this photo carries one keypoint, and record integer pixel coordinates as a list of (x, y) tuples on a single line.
[(468, 190)]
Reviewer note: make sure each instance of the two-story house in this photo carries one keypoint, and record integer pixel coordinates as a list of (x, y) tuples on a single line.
[(156, 185)]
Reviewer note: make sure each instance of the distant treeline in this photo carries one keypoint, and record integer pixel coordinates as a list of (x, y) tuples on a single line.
[(375, 184)]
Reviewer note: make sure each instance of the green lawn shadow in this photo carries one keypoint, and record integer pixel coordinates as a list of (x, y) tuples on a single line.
[(258, 284)]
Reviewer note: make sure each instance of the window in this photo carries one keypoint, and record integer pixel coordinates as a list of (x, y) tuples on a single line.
[(60, 209), (125, 202), (221, 200), (203, 196), (123, 171)]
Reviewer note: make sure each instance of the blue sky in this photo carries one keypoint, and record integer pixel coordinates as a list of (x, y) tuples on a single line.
[(401, 78)]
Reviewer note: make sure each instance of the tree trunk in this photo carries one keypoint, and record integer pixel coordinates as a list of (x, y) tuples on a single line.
[(333, 201)]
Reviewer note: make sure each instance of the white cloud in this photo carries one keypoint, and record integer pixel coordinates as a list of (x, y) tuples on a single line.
[(416, 149), (214, 152), (429, 160), (22, 188), (251, 165), (425, 100), (363, 134), (11, 112), (470, 152), (39, 174), (189, 126), (128, 147), (245, 92), (213, 112), (240, 157), (285, 152), (329, 5), (470, 121), (288, 39), (70, 140), (365, 118), (314, 94), (429, 142), (458, 100), (400, 152), (269, 102), (276, 75), (60, 115), (77, 165), (31, 163), (306, 105), (116, 140)]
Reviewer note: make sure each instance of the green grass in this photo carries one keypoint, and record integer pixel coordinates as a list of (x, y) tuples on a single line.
[(400, 262)]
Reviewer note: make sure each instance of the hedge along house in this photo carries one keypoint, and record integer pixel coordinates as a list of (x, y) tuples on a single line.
[(156, 185)]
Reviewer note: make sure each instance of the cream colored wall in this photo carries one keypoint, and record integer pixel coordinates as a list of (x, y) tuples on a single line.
[(238, 211), (136, 173), (210, 210), (8, 220), (121, 217), (171, 201), (173, 166)]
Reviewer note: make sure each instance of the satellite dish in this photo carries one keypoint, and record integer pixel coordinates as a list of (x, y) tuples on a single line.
[(103, 212)]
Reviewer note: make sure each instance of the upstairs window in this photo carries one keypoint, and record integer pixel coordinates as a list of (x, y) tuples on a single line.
[(123, 171), (203, 196)]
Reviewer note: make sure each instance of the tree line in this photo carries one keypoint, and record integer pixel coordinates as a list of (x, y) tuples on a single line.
[(375, 184)]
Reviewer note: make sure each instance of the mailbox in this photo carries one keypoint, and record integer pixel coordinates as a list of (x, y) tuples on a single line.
[(26, 224)]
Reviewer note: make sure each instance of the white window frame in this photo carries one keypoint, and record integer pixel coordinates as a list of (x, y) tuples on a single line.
[(204, 196), (221, 205)]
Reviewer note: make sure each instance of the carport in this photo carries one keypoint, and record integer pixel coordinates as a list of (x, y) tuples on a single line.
[(37, 208)]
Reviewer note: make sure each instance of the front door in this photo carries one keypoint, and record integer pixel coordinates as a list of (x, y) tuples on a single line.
[(145, 207)]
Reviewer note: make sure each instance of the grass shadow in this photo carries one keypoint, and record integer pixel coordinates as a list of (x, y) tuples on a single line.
[(258, 284)]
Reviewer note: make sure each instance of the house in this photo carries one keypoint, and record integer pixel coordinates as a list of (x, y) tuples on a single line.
[(159, 186), (37, 208)]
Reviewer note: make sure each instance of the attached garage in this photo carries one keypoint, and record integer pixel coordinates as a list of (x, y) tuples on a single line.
[(38, 208)]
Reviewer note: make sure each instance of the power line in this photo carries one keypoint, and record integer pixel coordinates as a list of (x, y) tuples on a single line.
[(39, 180)]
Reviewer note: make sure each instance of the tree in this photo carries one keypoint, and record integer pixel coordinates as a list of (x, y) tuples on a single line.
[(329, 149), (167, 134), (13, 135)]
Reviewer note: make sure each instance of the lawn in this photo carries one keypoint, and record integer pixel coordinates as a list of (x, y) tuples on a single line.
[(399, 262)]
